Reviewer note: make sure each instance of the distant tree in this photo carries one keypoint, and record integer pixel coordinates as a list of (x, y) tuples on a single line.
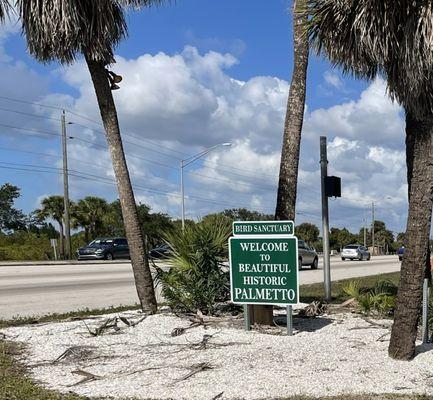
[(242, 214), (53, 207), (10, 218), (339, 238), (89, 214), (401, 237), (153, 225), (307, 232)]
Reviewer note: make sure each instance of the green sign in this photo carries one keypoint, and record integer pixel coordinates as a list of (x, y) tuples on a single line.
[(263, 228), (264, 270)]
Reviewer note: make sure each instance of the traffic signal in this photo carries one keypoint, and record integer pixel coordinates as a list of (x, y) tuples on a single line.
[(333, 186)]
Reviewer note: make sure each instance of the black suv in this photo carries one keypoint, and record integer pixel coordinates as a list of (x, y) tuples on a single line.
[(104, 249)]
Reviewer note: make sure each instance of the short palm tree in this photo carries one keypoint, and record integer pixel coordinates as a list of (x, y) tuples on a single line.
[(54, 207), (59, 30), (393, 39), (89, 214)]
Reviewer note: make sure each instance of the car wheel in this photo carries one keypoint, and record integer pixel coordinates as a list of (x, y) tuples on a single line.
[(343, 259), (300, 263), (109, 256), (315, 264), (368, 258)]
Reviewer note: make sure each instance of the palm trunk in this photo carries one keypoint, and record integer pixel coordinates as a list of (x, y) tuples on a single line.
[(287, 184), (288, 180), (419, 159), (138, 254)]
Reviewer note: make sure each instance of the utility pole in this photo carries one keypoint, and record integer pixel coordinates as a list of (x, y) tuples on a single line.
[(365, 228), (372, 226), (182, 190), (68, 249), (325, 218)]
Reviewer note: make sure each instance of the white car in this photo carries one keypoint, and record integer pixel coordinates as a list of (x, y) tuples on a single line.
[(355, 252)]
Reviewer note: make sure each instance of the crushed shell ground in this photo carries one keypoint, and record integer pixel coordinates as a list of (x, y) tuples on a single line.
[(329, 355)]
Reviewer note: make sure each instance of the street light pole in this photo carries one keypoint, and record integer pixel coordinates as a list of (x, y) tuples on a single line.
[(365, 228), (183, 164), (372, 225)]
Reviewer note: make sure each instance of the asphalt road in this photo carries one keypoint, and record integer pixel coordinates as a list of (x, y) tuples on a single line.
[(27, 290)]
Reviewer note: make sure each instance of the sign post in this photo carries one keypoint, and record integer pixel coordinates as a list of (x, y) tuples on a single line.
[(264, 266), (54, 246)]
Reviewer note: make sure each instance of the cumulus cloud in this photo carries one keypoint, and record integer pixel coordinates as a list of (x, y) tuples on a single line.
[(172, 106)]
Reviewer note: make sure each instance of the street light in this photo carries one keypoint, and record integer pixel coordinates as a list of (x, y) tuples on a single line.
[(190, 160)]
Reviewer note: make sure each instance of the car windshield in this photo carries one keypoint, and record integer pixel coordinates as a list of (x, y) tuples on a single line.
[(353, 246), (101, 242)]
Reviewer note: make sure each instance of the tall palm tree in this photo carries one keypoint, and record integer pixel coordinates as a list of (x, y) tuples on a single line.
[(54, 207), (289, 165), (60, 30), (288, 179), (393, 38), (89, 214)]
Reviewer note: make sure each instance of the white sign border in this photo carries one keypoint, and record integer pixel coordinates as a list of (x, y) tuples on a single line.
[(263, 222), (238, 237)]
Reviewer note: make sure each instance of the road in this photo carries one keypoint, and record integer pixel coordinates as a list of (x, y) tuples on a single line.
[(31, 290)]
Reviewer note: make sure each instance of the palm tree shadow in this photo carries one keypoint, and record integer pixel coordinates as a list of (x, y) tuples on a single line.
[(423, 348), (304, 324)]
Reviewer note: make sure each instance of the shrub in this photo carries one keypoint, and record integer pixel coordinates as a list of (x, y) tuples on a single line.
[(197, 278), (379, 299)]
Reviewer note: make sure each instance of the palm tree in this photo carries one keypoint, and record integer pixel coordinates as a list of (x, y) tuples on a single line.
[(60, 30), (288, 178), (88, 214), (54, 207), (393, 38)]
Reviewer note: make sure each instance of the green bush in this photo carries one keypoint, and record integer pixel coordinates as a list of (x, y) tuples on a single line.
[(197, 279), (379, 299), (23, 245)]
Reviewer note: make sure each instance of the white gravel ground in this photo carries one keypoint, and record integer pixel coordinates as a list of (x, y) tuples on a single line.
[(331, 355)]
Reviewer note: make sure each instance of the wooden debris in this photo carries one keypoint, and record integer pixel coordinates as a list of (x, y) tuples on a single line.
[(129, 323), (88, 377), (110, 323), (195, 369), (74, 351), (314, 309)]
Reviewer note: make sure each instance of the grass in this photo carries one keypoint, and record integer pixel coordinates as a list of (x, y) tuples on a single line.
[(15, 385), (79, 314), (309, 293)]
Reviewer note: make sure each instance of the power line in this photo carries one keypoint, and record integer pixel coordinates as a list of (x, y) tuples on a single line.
[(95, 178), (218, 168)]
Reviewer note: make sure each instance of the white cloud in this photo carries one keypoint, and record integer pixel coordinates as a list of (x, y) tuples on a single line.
[(332, 79), (189, 101)]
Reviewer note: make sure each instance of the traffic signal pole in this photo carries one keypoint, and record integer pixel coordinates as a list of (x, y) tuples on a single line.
[(325, 219)]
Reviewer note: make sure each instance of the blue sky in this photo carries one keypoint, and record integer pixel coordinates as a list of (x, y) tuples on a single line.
[(198, 73)]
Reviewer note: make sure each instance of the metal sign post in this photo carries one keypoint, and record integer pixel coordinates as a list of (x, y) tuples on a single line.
[(54, 246), (264, 266), (425, 300)]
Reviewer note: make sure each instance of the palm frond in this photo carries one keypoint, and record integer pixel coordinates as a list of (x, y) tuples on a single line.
[(367, 38), (60, 29), (142, 3), (5, 9)]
